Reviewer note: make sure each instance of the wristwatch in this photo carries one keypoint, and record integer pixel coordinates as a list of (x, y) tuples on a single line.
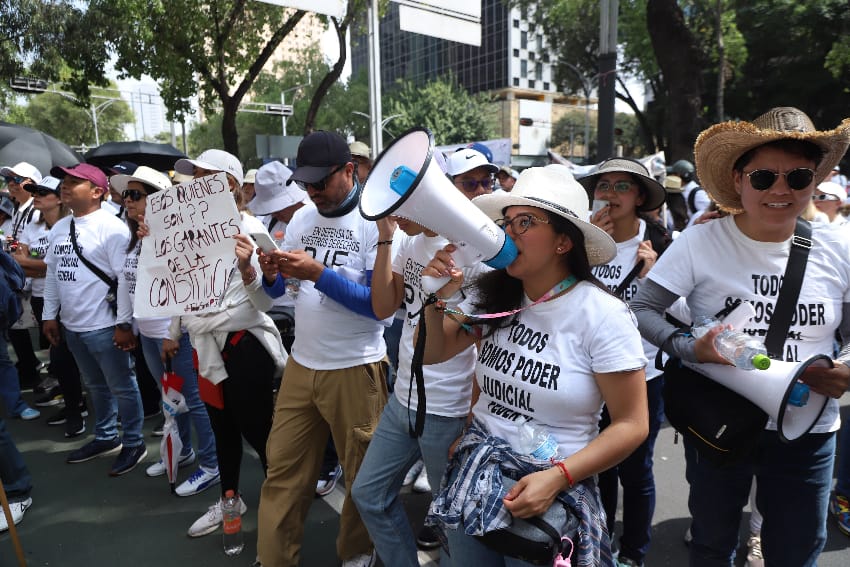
[(124, 326)]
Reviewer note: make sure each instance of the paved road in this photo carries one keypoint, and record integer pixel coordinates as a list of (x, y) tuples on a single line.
[(82, 517)]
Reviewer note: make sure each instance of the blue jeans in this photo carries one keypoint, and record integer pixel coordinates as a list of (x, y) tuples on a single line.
[(182, 365), (792, 481), (14, 473), (842, 486), (10, 385), (111, 381), (391, 453), (635, 474)]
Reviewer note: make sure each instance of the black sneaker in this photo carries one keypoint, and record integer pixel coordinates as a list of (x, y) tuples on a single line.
[(75, 425), (128, 459), (427, 538), (58, 418), (53, 397), (94, 449), (158, 428)]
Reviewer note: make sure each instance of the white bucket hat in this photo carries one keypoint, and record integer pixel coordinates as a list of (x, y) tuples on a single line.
[(144, 175), (271, 193), (558, 192), (213, 160)]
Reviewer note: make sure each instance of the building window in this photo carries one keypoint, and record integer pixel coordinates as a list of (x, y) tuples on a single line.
[(516, 24), (545, 86), (531, 83), (516, 52), (516, 82), (538, 70), (545, 57), (531, 56), (523, 68), (523, 40)]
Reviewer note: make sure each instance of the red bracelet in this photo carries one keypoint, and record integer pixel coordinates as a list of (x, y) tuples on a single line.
[(565, 472)]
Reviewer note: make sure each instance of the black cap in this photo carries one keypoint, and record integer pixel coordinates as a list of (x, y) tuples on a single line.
[(319, 153), (125, 167)]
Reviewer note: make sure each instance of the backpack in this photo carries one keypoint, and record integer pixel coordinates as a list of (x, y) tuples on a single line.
[(11, 286), (692, 199)]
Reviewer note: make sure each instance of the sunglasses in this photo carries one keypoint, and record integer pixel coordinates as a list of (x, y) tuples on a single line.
[(520, 223), (14, 178), (322, 183), (825, 198), (617, 186), (133, 195), (470, 185), (39, 192), (797, 179)]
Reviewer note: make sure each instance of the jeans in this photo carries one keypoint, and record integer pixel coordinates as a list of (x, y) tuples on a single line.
[(182, 365), (792, 482), (16, 477), (10, 386), (842, 486), (391, 453), (111, 381), (635, 474)]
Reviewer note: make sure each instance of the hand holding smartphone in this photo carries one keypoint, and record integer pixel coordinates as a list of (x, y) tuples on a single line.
[(264, 242), (598, 205)]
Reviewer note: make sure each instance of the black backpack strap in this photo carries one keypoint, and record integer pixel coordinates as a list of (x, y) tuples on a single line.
[(789, 291), (692, 199), (112, 283), (618, 291)]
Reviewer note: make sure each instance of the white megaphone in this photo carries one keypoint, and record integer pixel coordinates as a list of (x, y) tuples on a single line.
[(407, 182), (776, 390)]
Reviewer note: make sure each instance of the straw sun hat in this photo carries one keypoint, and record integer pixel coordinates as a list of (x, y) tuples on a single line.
[(654, 193), (719, 147)]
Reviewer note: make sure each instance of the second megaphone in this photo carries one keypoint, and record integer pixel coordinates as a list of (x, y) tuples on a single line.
[(407, 182)]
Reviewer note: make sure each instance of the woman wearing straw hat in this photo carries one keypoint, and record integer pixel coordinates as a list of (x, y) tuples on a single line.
[(630, 191), (551, 314), (764, 173)]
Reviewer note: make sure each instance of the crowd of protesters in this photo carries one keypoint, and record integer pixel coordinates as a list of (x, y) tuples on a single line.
[(310, 354)]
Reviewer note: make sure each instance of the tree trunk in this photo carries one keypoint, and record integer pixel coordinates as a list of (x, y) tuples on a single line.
[(680, 60), (721, 62), (229, 133)]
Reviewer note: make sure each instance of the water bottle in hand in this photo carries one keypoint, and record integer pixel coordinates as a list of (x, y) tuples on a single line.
[(537, 442), (232, 520), (742, 350)]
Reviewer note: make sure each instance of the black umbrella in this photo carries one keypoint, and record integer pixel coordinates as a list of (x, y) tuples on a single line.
[(158, 156), (19, 143)]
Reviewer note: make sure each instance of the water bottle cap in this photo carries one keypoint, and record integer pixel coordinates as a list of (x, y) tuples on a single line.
[(229, 494), (761, 362)]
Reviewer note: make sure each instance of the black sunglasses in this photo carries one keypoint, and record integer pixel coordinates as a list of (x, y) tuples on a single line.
[(321, 184), (469, 185), (41, 192), (797, 179), (15, 178), (133, 195)]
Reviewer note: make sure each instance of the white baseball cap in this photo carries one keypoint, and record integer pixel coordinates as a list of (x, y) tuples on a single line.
[(22, 169), (832, 188), (213, 160), (467, 159)]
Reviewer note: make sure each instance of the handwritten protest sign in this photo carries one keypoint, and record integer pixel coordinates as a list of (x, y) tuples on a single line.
[(187, 258)]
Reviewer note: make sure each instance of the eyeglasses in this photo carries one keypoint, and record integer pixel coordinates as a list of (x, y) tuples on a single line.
[(617, 186), (797, 179), (525, 221), (470, 185), (133, 195), (321, 184), (825, 198), (14, 178)]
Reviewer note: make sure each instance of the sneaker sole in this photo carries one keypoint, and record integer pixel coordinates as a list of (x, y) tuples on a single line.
[(208, 531), (70, 434), (833, 511), (49, 403), (201, 489), (180, 465), (109, 453), (427, 545)]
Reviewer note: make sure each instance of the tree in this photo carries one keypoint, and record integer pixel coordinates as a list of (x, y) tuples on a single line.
[(443, 106), (67, 121)]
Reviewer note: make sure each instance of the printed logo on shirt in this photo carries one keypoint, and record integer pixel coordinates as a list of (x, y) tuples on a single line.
[(337, 242)]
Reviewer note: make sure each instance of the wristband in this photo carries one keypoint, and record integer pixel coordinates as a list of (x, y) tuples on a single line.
[(563, 468), (384, 242)]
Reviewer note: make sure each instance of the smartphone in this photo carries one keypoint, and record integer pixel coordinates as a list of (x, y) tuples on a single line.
[(598, 205), (264, 242)]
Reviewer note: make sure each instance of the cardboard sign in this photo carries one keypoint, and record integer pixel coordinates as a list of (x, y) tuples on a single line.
[(189, 255)]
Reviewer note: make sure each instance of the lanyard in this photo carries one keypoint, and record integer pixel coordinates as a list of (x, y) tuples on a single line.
[(560, 287)]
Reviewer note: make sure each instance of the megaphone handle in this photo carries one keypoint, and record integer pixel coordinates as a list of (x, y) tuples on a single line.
[(432, 284)]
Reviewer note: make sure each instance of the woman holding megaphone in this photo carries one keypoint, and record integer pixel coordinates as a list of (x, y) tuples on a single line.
[(553, 345), (763, 173)]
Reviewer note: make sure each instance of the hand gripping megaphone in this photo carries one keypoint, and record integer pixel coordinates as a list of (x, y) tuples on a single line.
[(773, 390), (407, 182)]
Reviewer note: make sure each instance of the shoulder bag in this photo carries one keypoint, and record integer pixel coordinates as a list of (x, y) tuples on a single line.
[(112, 294)]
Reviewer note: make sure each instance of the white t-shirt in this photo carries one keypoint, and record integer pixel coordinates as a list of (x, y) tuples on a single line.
[(448, 385), (713, 264), (151, 327), (25, 214), (701, 199), (614, 272), (542, 366), (328, 335), (35, 236), (103, 240)]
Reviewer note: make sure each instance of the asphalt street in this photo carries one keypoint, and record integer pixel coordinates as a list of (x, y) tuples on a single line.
[(82, 517)]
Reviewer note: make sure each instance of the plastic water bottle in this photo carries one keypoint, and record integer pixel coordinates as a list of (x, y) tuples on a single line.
[(232, 520), (278, 237), (537, 442), (742, 350)]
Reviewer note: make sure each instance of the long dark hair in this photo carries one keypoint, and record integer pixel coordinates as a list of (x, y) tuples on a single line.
[(132, 223), (498, 291)]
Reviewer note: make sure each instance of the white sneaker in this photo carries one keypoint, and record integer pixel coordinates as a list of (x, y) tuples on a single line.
[(17, 509), (200, 480), (412, 473), (326, 484), (158, 468), (209, 522), (421, 484), (363, 560)]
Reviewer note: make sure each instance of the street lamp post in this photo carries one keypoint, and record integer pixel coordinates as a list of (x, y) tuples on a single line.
[(295, 88), (585, 83), (384, 123)]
